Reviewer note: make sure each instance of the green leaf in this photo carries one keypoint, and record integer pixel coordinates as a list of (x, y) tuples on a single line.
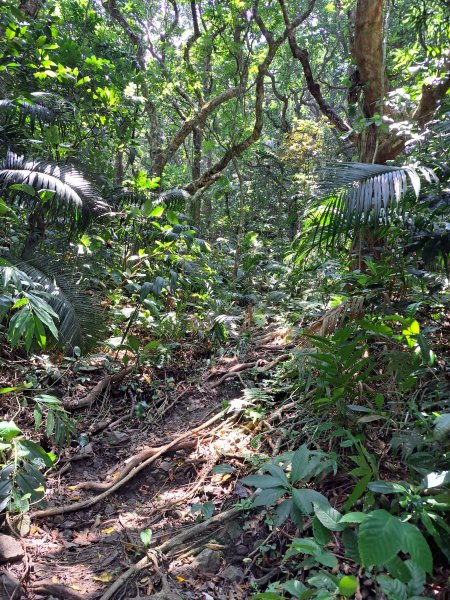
[(327, 559), (8, 430), (305, 498), (157, 211), (380, 538), (146, 537), (294, 587), (300, 461), (393, 588), (329, 517), (278, 473), (350, 539), (354, 517), (224, 468), (413, 542), (267, 596), (261, 481), (322, 534), (268, 497), (357, 491), (385, 487), (282, 512)]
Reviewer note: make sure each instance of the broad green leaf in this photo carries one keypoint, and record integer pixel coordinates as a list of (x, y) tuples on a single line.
[(261, 481), (305, 498), (413, 542), (322, 534), (300, 461), (278, 473), (329, 517), (393, 588), (282, 512), (385, 487), (380, 538), (268, 497)]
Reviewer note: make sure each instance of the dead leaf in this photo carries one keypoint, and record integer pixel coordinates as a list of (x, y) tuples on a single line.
[(108, 530), (105, 577)]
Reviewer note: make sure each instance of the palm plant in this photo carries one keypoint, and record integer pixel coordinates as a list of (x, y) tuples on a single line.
[(79, 319), (53, 193), (361, 196)]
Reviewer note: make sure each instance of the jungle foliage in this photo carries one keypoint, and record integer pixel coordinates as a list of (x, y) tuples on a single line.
[(166, 165)]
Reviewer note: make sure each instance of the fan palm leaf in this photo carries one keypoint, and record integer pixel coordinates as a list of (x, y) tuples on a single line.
[(81, 322), (359, 194), (71, 192)]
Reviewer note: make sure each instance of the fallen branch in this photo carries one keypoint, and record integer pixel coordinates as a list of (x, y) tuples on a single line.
[(59, 510), (101, 386)]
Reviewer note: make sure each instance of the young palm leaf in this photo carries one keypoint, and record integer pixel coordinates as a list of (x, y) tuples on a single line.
[(361, 194), (69, 192)]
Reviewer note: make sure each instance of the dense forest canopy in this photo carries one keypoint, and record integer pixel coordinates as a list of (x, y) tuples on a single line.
[(236, 206)]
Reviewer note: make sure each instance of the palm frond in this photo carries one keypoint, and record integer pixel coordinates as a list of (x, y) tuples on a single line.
[(359, 194), (81, 322), (175, 199), (71, 192)]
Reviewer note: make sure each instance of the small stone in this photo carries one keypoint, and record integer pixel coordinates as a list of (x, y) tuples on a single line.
[(208, 561), (166, 466), (117, 437), (69, 524), (87, 450), (233, 574), (241, 550), (10, 549), (233, 530), (9, 586), (240, 491)]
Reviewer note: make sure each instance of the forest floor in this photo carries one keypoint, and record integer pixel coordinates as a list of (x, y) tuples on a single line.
[(135, 475)]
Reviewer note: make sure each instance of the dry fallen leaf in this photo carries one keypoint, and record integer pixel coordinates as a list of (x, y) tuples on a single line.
[(108, 530), (105, 577)]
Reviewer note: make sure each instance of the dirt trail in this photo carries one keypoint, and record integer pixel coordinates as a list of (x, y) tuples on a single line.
[(83, 553)]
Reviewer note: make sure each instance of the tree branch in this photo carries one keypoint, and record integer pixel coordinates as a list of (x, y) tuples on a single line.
[(302, 55)]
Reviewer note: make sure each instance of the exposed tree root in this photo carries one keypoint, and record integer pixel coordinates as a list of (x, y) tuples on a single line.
[(275, 362), (233, 372), (170, 545), (102, 385), (59, 510), (55, 589), (134, 462)]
